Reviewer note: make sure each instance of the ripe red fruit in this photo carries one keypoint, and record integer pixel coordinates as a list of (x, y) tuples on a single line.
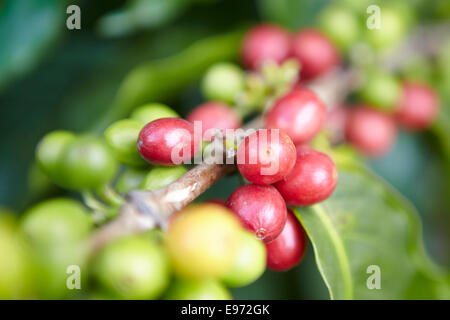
[(312, 180), (372, 132), (288, 249), (167, 141), (417, 107), (300, 114), (265, 42), (266, 156), (315, 52), (214, 115), (261, 210)]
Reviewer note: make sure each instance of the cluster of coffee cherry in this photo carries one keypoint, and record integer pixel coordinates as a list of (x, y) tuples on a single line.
[(210, 245), (371, 126), (285, 170)]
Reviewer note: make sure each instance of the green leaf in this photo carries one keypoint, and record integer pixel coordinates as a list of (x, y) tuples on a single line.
[(158, 79), (27, 29), (290, 13), (366, 222), (140, 14)]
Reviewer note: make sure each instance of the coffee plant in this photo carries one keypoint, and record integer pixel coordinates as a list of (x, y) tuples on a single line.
[(293, 114)]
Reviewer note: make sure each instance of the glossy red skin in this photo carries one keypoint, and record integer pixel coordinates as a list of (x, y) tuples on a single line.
[(288, 249), (418, 106), (265, 42), (312, 180), (214, 115), (158, 138), (372, 132), (315, 52), (260, 153), (300, 114), (261, 210)]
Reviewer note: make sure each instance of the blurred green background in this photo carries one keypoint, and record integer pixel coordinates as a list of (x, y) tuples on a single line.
[(55, 78)]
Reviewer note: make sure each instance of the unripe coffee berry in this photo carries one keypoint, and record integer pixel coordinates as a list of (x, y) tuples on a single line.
[(167, 141), (153, 111), (250, 261), (370, 131), (266, 156), (341, 25), (197, 289), (122, 138), (312, 180), (16, 280), (223, 82), (288, 249), (396, 18), (300, 114), (417, 107), (87, 163), (160, 177), (56, 221), (133, 268), (380, 90), (265, 42), (315, 52), (261, 210), (202, 241), (50, 150), (130, 179)]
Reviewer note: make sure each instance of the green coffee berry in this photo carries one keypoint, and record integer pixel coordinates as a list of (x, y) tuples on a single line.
[(341, 25), (160, 177), (381, 90), (394, 23), (49, 151), (152, 111), (250, 262), (56, 221), (201, 289), (122, 137), (223, 82), (130, 179), (133, 268), (15, 279), (86, 163)]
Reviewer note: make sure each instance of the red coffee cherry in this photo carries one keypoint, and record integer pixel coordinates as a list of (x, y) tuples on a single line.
[(417, 107), (300, 114), (370, 131), (316, 53), (167, 141), (266, 156), (288, 249), (215, 115), (312, 180), (265, 42), (261, 210)]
